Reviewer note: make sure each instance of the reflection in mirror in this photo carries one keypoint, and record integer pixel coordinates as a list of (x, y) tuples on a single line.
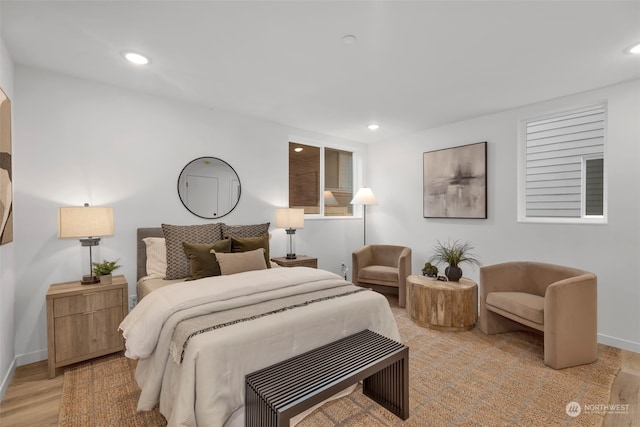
[(209, 187)]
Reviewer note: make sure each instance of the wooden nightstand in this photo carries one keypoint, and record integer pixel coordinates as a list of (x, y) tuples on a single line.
[(300, 261), (83, 320)]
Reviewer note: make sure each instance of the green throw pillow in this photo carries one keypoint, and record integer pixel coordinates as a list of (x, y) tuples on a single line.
[(202, 263), (245, 244)]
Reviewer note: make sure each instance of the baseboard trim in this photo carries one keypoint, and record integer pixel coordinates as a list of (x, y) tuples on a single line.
[(34, 356), (7, 378), (619, 343)]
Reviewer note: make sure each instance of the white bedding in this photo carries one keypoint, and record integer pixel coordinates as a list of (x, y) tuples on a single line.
[(207, 389)]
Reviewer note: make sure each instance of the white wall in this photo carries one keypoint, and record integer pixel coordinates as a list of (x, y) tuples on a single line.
[(77, 141), (7, 278), (611, 251)]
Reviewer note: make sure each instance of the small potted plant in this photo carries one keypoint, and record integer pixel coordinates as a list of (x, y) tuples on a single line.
[(454, 253), (104, 269), (430, 270)]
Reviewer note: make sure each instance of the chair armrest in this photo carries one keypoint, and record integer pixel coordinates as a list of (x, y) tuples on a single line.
[(404, 266), (572, 300), (360, 258), (571, 321)]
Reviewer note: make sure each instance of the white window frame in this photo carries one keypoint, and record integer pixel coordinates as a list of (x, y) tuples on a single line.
[(522, 172), (357, 171)]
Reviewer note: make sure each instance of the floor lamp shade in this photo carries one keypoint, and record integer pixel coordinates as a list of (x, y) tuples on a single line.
[(364, 197), (290, 218), (87, 223), (330, 199)]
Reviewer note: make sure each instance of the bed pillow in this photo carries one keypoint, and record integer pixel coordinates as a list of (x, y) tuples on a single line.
[(245, 244), (177, 262), (241, 261), (156, 257), (203, 263), (253, 230)]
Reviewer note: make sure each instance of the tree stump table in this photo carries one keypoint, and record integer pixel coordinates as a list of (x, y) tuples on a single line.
[(445, 306)]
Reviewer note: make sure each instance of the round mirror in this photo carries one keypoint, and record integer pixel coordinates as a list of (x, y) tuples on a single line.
[(209, 187)]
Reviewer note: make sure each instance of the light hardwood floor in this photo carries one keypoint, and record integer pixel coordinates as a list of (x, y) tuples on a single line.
[(32, 399)]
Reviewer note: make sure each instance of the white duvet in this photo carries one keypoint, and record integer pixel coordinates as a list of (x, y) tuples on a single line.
[(207, 389)]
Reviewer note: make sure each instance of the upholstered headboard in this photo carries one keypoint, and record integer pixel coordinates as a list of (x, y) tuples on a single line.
[(142, 248)]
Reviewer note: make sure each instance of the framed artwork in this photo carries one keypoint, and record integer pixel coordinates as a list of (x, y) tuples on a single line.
[(6, 192), (455, 182)]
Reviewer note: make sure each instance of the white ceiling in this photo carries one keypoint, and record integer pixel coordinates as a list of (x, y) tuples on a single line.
[(415, 64)]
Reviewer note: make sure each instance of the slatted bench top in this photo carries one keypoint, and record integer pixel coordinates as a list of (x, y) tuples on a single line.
[(296, 384)]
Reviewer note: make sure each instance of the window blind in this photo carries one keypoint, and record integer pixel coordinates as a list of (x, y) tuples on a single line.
[(555, 149)]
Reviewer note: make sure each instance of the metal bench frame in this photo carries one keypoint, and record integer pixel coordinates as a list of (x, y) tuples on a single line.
[(275, 394)]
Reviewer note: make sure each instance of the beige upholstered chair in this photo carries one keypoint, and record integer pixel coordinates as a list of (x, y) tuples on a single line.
[(382, 265), (560, 302)]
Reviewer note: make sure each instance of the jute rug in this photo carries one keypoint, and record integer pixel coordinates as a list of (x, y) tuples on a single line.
[(457, 379)]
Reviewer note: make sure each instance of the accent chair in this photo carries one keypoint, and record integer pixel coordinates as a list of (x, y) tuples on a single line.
[(559, 302), (383, 268)]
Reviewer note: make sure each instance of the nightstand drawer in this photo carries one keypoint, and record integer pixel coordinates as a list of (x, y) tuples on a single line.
[(88, 333), (90, 301)]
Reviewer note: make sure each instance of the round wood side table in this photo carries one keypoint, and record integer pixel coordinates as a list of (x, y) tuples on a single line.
[(445, 306)]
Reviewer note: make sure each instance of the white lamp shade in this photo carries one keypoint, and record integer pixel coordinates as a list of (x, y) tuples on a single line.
[(88, 221), (364, 196), (290, 218), (330, 199)]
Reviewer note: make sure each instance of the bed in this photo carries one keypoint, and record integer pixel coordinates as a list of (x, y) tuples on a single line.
[(196, 340)]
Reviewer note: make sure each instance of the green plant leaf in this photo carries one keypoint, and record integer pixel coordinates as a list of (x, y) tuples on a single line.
[(454, 253), (105, 267)]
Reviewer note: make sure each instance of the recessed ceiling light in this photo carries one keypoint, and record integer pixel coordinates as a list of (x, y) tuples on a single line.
[(349, 39), (635, 49), (374, 126), (136, 58), (298, 149)]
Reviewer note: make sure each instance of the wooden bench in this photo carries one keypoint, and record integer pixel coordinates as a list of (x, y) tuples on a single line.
[(275, 394)]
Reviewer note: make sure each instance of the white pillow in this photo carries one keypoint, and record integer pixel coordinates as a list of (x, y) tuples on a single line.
[(156, 257), (237, 262)]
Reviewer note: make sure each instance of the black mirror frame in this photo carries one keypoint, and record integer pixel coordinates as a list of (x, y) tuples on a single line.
[(213, 158)]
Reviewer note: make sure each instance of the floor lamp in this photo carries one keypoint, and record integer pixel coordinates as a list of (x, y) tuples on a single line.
[(364, 197)]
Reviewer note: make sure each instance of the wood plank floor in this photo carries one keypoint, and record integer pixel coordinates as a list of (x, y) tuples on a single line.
[(32, 399)]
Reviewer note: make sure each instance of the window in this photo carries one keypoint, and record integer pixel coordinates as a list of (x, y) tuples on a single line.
[(338, 182), (562, 167), (593, 185), (320, 180)]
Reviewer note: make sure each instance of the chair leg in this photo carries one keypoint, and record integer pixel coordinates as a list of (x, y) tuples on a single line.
[(402, 296)]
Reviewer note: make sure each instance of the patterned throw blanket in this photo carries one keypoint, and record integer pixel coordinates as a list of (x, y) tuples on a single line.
[(189, 328)]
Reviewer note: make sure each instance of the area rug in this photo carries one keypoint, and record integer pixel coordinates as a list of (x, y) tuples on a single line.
[(456, 379)]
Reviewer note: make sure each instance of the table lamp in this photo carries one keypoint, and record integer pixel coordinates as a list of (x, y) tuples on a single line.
[(290, 218), (88, 223)]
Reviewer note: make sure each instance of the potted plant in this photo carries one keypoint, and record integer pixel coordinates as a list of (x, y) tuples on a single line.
[(104, 269), (430, 270), (454, 253)]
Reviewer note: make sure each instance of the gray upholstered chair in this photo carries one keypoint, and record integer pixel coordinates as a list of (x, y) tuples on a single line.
[(383, 266), (560, 302)]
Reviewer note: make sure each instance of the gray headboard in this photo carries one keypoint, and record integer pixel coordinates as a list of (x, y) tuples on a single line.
[(142, 248)]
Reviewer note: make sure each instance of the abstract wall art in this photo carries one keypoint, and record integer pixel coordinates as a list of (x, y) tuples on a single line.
[(6, 177), (455, 182)]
